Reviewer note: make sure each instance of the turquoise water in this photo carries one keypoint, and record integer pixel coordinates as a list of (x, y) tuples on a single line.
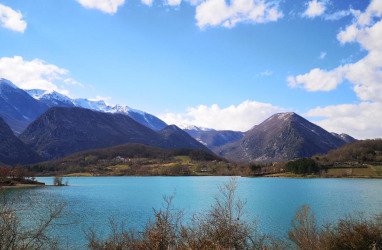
[(272, 202)]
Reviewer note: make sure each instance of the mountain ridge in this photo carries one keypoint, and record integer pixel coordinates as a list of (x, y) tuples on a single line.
[(55, 99), (17, 107), (62, 131), (12, 150), (20, 107), (283, 136)]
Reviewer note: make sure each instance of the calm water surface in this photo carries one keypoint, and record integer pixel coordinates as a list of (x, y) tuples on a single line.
[(272, 202)]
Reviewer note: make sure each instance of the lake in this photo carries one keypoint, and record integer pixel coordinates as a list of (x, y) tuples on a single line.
[(272, 202)]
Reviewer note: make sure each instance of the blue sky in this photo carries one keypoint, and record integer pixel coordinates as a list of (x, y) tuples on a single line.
[(169, 60)]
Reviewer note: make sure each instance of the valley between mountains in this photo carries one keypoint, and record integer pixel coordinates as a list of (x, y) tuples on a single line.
[(50, 133)]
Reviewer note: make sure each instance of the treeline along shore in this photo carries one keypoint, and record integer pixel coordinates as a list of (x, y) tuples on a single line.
[(360, 159)]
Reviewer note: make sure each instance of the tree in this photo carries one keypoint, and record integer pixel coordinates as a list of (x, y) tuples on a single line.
[(59, 181), (303, 166)]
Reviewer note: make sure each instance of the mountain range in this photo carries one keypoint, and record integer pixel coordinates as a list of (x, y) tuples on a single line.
[(61, 131), (20, 107), (52, 125)]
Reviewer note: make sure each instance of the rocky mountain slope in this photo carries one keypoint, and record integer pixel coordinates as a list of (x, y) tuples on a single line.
[(12, 150), (281, 137), (177, 138), (62, 131), (214, 138), (54, 99), (18, 108)]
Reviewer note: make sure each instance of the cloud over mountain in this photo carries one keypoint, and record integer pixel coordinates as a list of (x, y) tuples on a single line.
[(35, 74), (239, 117)]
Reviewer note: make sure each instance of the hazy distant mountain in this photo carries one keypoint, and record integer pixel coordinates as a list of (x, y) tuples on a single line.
[(177, 138), (12, 150), (213, 138), (54, 99), (62, 131), (345, 137), (283, 136), (18, 108)]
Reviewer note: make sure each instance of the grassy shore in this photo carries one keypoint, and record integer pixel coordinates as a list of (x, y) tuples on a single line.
[(19, 183)]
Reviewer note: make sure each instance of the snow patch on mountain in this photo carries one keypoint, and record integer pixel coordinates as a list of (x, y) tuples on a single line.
[(52, 99), (196, 128)]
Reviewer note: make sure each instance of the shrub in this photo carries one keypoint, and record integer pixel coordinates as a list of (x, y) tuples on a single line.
[(59, 181), (302, 166), (14, 234), (222, 227), (348, 233), (256, 168)]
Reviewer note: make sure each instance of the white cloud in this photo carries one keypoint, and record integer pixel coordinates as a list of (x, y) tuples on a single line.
[(365, 74), (314, 9), (106, 6), (34, 74), (318, 79), (173, 2), (361, 120), (322, 55), (208, 12), (266, 73), (218, 12), (240, 117), (106, 99), (340, 14), (12, 19), (147, 2)]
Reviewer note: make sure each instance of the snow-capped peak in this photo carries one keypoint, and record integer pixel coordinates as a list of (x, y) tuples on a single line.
[(36, 93), (99, 105), (193, 127), (52, 99), (121, 109)]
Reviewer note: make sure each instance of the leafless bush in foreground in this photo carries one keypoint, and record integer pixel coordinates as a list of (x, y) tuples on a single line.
[(221, 227), (347, 233), (17, 233), (224, 226)]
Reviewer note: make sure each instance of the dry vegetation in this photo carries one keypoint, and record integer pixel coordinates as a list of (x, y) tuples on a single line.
[(361, 159), (17, 233), (358, 159), (16, 176), (135, 159), (347, 233), (224, 227)]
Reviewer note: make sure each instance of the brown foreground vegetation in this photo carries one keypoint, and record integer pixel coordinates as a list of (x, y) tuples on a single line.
[(224, 227), (22, 228)]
